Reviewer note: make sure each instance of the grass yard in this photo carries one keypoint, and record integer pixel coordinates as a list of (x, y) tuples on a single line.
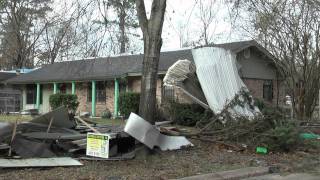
[(107, 121)]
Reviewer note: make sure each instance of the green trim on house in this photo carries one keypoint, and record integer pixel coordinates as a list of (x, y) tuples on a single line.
[(116, 98), (55, 88), (73, 87), (93, 100), (38, 96)]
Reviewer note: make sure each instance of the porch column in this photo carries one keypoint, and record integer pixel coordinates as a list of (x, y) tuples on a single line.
[(55, 88), (93, 100), (38, 97), (73, 88), (116, 98)]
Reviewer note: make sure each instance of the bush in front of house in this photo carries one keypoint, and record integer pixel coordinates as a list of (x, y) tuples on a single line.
[(186, 114), (70, 101), (106, 114), (129, 102), (282, 135)]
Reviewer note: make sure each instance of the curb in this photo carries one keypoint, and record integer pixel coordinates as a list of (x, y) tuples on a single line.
[(232, 174)]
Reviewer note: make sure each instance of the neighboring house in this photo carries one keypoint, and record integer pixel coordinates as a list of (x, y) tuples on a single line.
[(10, 96), (111, 75)]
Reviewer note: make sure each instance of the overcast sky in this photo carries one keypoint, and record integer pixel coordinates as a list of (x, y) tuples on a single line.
[(181, 25), (182, 17)]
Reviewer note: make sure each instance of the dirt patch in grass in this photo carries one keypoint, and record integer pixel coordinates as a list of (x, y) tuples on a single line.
[(202, 158)]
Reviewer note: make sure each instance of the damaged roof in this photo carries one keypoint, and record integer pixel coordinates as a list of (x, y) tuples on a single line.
[(104, 68)]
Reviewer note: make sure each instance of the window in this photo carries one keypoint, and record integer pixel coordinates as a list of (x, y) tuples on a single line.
[(168, 93), (32, 94), (268, 90), (100, 92), (62, 88)]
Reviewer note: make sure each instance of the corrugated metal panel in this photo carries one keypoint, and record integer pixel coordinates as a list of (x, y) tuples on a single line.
[(219, 78)]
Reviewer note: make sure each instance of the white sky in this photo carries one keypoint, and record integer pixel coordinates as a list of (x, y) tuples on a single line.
[(182, 22), (182, 17)]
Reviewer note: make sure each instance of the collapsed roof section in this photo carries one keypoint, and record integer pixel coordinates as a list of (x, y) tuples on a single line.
[(216, 71)]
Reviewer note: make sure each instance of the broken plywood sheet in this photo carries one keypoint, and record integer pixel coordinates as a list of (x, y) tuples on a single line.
[(39, 162), (149, 135), (219, 79), (60, 118)]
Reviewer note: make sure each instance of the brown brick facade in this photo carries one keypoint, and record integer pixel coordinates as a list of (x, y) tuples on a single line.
[(134, 83), (85, 106), (255, 87)]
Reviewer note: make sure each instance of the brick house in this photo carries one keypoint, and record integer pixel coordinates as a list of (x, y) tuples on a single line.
[(110, 75)]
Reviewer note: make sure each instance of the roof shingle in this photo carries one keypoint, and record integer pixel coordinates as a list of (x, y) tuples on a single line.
[(109, 67)]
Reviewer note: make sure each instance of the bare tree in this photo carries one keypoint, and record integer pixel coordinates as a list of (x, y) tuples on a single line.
[(21, 28), (207, 16), (291, 31), (126, 19), (152, 30), (60, 33)]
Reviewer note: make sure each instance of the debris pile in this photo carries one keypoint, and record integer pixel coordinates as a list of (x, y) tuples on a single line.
[(54, 135), (57, 138)]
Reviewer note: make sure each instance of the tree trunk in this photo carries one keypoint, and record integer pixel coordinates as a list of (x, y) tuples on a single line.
[(147, 108), (151, 29), (123, 38)]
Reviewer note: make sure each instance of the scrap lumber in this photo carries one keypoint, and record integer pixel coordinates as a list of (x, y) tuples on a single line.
[(12, 137), (88, 125)]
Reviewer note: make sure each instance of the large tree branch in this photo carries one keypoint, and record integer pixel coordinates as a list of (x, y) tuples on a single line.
[(142, 16)]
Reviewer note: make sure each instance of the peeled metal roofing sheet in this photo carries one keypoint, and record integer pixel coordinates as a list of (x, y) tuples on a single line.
[(182, 74), (39, 162), (150, 136), (218, 75)]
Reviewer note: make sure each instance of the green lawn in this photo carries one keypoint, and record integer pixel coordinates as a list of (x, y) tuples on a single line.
[(107, 121)]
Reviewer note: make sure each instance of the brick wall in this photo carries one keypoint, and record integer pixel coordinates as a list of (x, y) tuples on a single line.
[(134, 85), (255, 87), (85, 106)]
